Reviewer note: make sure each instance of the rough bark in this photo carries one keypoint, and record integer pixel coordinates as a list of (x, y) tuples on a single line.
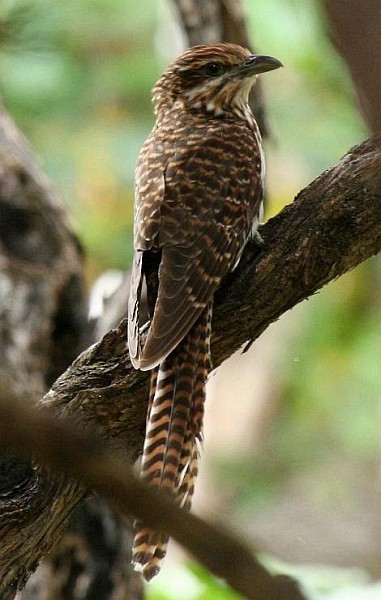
[(92, 560), (42, 311), (333, 225)]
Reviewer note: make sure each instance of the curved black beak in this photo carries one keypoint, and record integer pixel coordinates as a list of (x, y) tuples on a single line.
[(258, 63)]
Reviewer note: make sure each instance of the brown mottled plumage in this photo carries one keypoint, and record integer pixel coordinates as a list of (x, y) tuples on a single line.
[(199, 193)]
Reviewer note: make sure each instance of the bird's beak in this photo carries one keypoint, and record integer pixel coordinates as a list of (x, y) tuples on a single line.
[(257, 63)]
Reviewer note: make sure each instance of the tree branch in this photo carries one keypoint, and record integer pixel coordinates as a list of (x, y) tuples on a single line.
[(333, 225), (355, 28)]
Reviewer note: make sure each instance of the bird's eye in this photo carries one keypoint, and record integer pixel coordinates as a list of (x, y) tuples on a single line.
[(214, 69)]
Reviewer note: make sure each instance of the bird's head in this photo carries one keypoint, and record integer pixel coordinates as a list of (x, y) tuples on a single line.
[(215, 78)]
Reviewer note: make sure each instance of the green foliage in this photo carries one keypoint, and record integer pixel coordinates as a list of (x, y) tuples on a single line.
[(333, 385), (190, 582)]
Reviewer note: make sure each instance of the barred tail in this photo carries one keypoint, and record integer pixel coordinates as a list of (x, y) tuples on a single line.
[(174, 433)]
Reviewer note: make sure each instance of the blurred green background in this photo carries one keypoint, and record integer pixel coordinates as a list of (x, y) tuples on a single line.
[(76, 76)]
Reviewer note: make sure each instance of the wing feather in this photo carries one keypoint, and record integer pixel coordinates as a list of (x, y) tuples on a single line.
[(133, 309), (195, 205)]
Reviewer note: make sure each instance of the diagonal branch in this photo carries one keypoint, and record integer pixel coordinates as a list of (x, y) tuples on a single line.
[(68, 451), (332, 226)]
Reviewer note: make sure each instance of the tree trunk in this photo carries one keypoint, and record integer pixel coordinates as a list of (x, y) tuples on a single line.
[(43, 327)]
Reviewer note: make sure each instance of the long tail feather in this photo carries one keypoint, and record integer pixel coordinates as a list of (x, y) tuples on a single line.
[(188, 468), (174, 433)]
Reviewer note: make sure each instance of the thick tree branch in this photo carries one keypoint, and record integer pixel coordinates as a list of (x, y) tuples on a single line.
[(333, 225)]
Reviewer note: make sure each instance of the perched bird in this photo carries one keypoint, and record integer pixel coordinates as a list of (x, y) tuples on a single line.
[(199, 195)]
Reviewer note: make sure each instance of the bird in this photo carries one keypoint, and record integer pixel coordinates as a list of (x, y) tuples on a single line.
[(199, 186)]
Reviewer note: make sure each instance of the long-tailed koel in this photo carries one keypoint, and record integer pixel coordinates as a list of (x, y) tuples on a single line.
[(199, 195)]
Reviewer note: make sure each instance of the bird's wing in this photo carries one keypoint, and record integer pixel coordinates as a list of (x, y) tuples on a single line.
[(149, 196), (212, 191)]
